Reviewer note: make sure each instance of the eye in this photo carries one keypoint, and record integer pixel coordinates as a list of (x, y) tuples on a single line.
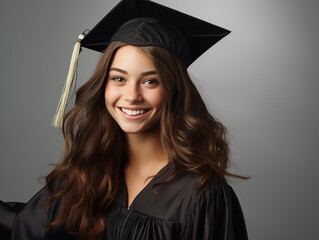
[(117, 79), (151, 82)]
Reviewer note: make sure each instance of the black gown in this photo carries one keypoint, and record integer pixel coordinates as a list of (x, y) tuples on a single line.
[(177, 211)]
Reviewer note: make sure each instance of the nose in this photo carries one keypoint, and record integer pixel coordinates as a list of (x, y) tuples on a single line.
[(133, 94)]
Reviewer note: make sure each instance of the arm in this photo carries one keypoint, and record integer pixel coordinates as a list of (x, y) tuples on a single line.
[(19, 221), (8, 212)]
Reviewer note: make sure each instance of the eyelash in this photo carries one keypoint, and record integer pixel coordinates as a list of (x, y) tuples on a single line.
[(151, 81), (117, 79)]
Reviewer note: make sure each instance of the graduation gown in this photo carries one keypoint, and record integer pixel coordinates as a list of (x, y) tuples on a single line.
[(177, 211)]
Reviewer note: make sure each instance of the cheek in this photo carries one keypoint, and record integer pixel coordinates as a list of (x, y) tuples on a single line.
[(110, 95), (158, 98)]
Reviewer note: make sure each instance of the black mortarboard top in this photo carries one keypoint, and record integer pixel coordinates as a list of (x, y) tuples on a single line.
[(144, 23), (199, 35)]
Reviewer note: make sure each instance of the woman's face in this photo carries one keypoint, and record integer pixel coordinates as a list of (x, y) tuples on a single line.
[(133, 93)]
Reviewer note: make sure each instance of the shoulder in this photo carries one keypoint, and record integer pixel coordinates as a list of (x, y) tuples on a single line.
[(216, 214), (215, 199), (220, 191), (217, 194), (187, 184)]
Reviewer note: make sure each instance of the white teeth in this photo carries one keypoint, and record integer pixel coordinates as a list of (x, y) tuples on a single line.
[(132, 113)]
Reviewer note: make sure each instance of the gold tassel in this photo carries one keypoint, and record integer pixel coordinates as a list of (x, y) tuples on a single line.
[(69, 84)]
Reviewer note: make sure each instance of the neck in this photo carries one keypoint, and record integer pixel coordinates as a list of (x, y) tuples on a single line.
[(145, 149)]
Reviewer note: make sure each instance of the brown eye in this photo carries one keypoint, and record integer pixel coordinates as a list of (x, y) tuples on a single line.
[(150, 82), (117, 79)]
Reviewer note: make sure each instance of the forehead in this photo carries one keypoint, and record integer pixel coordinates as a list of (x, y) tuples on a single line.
[(132, 57)]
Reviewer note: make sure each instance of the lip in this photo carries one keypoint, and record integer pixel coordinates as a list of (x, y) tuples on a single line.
[(134, 108), (131, 117)]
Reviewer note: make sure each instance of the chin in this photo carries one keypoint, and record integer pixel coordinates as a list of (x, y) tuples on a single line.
[(140, 129), (132, 129)]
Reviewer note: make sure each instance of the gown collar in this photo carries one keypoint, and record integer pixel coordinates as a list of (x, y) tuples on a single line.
[(162, 174)]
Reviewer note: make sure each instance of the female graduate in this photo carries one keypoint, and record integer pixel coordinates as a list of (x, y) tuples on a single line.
[(143, 158)]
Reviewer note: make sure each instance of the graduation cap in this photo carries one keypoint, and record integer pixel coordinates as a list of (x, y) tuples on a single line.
[(144, 23)]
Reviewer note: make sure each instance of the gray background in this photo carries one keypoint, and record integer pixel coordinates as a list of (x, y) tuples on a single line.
[(261, 81)]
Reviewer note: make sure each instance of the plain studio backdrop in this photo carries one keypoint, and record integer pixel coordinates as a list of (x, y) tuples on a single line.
[(261, 81)]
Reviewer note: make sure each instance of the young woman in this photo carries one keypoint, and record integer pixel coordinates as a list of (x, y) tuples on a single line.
[(143, 158)]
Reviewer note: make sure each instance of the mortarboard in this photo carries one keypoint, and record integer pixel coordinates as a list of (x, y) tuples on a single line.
[(144, 23)]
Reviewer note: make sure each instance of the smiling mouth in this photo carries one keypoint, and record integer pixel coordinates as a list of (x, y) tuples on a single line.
[(133, 112)]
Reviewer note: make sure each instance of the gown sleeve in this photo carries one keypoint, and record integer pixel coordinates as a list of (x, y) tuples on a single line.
[(24, 221), (8, 212), (217, 215)]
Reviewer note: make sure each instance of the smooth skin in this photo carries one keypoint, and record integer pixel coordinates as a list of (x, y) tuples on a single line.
[(133, 97)]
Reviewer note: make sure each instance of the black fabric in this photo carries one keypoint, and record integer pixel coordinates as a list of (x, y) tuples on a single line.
[(198, 35), (153, 32), (177, 211), (7, 215)]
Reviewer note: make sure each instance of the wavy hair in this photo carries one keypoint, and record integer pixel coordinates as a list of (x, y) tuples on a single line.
[(89, 175)]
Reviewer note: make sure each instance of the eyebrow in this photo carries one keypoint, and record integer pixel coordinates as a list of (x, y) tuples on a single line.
[(125, 72)]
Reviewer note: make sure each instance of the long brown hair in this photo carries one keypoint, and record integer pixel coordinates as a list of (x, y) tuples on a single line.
[(88, 178)]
